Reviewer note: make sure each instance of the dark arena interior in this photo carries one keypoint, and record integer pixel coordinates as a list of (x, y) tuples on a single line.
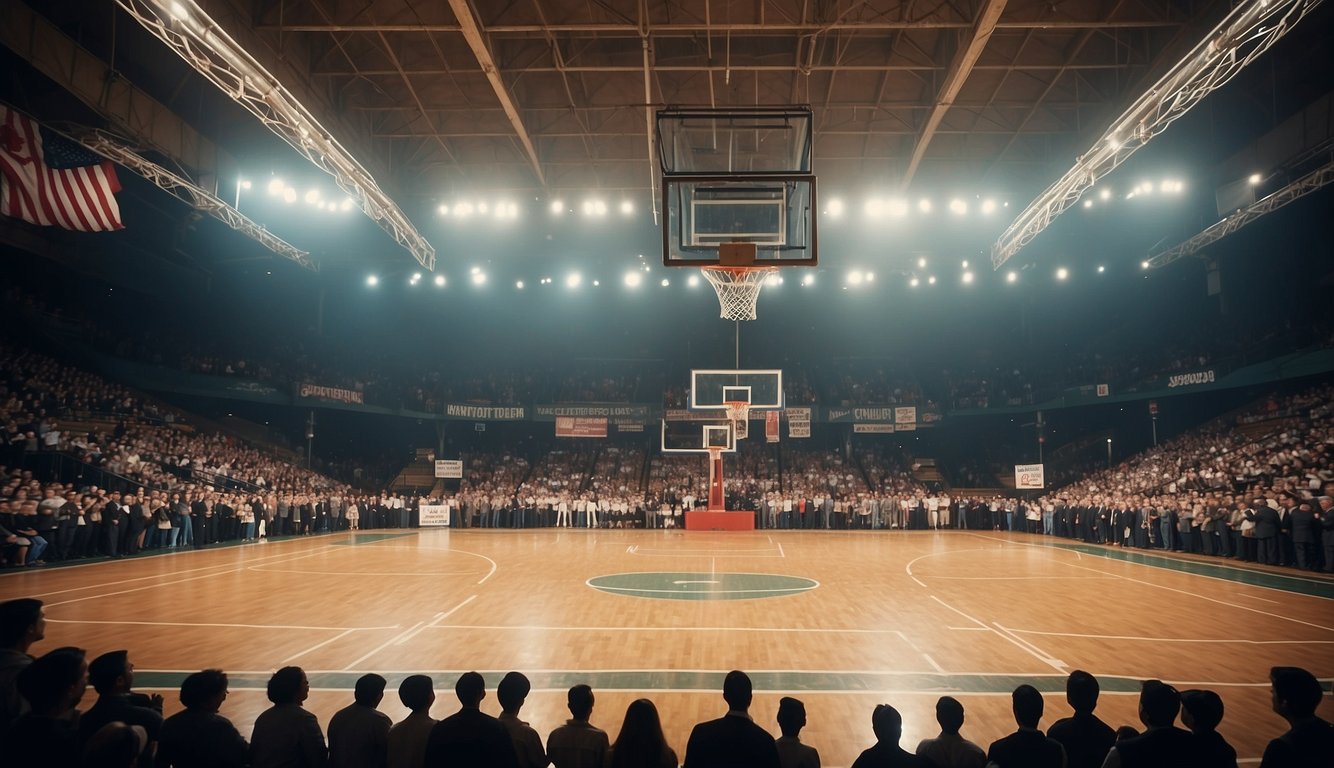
[(666, 382)]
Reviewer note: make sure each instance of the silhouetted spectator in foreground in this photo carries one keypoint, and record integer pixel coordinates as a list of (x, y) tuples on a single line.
[(21, 624), (407, 738), (1309, 740), (888, 726), (578, 744), (359, 733), (640, 743), (112, 675), (1085, 738), (733, 740), (469, 737), (46, 736), (197, 736), (286, 734), (1026, 747), (791, 752), (1201, 712), (116, 745), (512, 692), (949, 749), (1162, 743)]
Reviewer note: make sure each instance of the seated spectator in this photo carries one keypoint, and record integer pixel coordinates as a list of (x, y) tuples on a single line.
[(1026, 747), (470, 736), (117, 745), (1309, 741), (791, 752), (46, 737), (733, 740), (1162, 743), (359, 733), (888, 726), (1086, 738), (1201, 712), (407, 738), (949, 749), (199, 737), (112, 676), (641, 743), (577, 744), (286, 734), (22, 623), (512, 692)]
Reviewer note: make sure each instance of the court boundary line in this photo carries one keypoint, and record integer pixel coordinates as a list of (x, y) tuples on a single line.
[(211, 624), (1136, 638)]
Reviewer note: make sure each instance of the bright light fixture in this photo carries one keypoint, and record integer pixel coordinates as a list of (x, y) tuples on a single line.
[(276, 186), (1101, 269), (1088, 203), (1105, 194), (1144, 264), (633, 278), (693, 281), (1062, 273), (347, 204), (855, 277), (870, 277), (372, 280), (1012, 277), (518, 284), (835, 208), (557, 206), (479, 278), (289, 195), (573, 280), (809, 279), (913, 282), (1255, 178), (988, 206), (924, 205), (965, 263), (773, 280), (600, 208), (958, 207), (921, 263), (312, 196), (967, 278), (898, 207), (931, 280), (874, 207), (440, 281), (627, 207), (245, 183), (666, 282)]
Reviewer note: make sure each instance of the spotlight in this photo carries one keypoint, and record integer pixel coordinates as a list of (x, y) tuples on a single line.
[(855, 277), (276, 186), (921, 263), (988, 206), (440, 281), (518, 284), (443, 210), (809, 279), (1255, 178), (693, 281), (372, 280), (1062, 273), (479, 278), (965, 263), (924, 205), (557, 206), (1105, 194), (633, 279), (967, 278), (1144, 264), (1088, 203), (913, 282), (1101, 269), (574, 280), (898, 207), (1012, 277), (666, 282), (870, 278), (931, 280), (627, 207), (289, 195), (312, 196), (600, 208), (835, 208), (958, 207), (416, 278), (596, 283)]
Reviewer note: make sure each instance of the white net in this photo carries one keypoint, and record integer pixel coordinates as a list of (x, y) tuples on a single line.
[(738, 411), (738, 288)]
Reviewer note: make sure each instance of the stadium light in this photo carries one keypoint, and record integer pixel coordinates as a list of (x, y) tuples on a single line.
[(988, 206), (931, 280), (627, 207), (965, 263), (1105, 194), (1101, 269), (693, 281), (312, 196), (958, 207), (921, 263), (835, 209), (924, 205), (1255, 178), (1062, 273), (633, 279), (666, 282), (870, 278), (372, 280), (874, 208), (346, 204), (573, 280), (855, 277), (276, 186), (1012, 277), (967, 278), (443, 210), (1144, 264), (289, 195), (479, 278), (557, 206), (898, 208), (439, 281), (913, 282), (809, 279), (1088, 203)]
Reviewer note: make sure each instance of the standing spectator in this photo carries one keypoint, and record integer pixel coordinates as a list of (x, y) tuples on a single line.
[(407, 738), (1026, 747), (1086, 738), (1162, 743), (286, 734), (199, 737), (1309, 741), (888, 726), (733, 740), (640, 743), (512, 692), (1201, 712), (578, 744), (22, 623), (359, 733), (791, 752), (949, 749), (469, 737)]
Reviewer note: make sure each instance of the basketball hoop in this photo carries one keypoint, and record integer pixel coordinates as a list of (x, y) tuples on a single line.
[(738, 288), (737, 410)]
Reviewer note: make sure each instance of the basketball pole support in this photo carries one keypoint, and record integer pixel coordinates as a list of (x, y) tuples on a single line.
[(717, 500)]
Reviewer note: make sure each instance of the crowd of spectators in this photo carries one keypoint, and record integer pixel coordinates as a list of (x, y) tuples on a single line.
[(42, 724)]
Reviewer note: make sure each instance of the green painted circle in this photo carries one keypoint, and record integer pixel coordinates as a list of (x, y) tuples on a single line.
[(702, 586)]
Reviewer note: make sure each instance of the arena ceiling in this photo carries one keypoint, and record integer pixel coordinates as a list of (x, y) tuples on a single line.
[(543, 97)]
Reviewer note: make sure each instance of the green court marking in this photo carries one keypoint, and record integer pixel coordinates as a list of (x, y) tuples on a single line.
[(697, 680), (1313, 586), (702, 585), (370, 538)]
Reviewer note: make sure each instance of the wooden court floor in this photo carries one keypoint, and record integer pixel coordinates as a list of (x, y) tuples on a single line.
[(842, 620)]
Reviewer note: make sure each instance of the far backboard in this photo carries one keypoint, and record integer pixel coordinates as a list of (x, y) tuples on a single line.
[(712, 389), (695, 436)]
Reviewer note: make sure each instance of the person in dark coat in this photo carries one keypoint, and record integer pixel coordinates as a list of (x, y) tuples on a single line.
[(1201, 712), (470, 737), (199, 737), (1085, 738), (888, 726), (733, 740), (1266, 531), (1162, 743), (1026, 747)]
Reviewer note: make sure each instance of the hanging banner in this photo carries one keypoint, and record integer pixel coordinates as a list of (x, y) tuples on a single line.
[(866, 415), (771, 426), (1104, 390), (629, 427), (579, 426), (905, 414), (873, 429), (466, 412), (449, 468), (308, 391), (798, 421), (433, 515), (640, 412), (1028, 477), (742, 427), (1191, 379)]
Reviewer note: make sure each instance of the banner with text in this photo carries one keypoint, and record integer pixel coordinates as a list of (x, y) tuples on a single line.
[(469, 412), (308, 391), (798, 421), (580, 426), (1193, 379), (905, 414), (618, 413), (449, 468), (433, 515), (872, 414), (873, 429), (1028, 477), (771, 427)]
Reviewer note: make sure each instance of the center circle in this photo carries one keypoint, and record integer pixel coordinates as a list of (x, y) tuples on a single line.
[(690, 585)]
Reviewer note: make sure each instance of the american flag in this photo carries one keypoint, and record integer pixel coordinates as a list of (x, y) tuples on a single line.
[(48, 180)]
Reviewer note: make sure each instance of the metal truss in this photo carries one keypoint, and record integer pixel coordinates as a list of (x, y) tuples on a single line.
[(197, 39), (1298, 189), (199, 198), (1247, 32)]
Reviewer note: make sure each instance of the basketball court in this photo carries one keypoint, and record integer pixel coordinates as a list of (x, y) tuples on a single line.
[(842, 620)]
